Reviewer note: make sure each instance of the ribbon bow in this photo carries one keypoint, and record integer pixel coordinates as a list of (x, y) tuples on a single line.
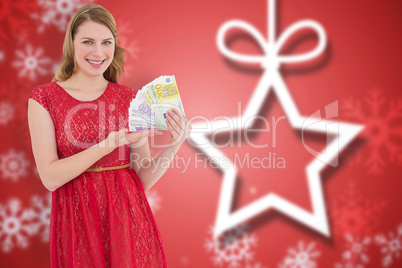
[(271, 58)]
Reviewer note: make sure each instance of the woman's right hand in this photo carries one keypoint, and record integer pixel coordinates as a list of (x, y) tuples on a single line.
[(121, 137)]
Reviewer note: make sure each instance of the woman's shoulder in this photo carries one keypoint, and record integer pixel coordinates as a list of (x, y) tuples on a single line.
[(123, 88), (42, 89), (41, 94), (45, 86)]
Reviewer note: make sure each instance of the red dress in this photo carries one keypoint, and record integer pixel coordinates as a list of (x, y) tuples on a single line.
[(98, 219)]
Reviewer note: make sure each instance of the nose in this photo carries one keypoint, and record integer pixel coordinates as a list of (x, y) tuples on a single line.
[(97, 51)]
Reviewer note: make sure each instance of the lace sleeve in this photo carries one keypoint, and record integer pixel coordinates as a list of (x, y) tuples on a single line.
[(39, 94)]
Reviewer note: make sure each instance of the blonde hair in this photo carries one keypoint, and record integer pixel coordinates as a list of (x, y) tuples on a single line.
[(98, 14)]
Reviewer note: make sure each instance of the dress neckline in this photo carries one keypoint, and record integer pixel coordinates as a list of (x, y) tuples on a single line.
[(104, 92)]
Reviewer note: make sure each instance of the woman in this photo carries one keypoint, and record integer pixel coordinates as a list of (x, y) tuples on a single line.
[(100, 216)]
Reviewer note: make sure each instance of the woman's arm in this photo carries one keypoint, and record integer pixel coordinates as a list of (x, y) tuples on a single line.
[(150, 170), (55, 172)]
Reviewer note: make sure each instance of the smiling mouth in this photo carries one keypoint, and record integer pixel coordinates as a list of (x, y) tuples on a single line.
[(96, 62)]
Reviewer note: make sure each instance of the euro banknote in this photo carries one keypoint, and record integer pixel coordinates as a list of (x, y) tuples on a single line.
[(148, 109)]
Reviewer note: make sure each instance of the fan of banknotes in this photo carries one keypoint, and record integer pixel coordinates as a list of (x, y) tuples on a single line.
[(148, 109)]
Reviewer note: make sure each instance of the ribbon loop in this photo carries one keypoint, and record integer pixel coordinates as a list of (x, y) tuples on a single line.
[(307, 55), (238, 56), (271, 58)]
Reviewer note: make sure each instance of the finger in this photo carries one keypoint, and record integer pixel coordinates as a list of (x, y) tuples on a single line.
[(135, 136), (172, 128), (177, 112), (154, 132), (179, 126), (122, 132), (148, 131), (174, 123), (180, 133), (180, 115), (176, 117), (183, 119)]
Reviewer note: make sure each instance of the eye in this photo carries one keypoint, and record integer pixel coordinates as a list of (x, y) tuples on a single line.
[(107, 42), (87, 42)]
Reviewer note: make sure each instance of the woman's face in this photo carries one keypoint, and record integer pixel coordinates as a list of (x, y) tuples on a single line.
[(93, 48)]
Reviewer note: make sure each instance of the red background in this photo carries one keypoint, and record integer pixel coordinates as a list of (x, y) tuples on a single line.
[(359, 68)]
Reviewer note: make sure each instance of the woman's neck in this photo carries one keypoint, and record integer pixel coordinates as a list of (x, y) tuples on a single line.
[(80, 81)]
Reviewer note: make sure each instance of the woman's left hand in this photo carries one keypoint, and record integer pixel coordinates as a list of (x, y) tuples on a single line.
[(178, 125)]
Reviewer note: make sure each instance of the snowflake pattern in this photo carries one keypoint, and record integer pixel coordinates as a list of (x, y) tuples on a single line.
[(12, 93), (15, 118), (391, 247), (352, 213), (233, 247), (154, 200), (256, 265), (356, 249), (304, 256), (126, 42), (13, 165), (31, 62), (15, 226), (41, 221), (57, 12), (381, 131), (6, 112), (54, 66), (347, 264), (125, 39)]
